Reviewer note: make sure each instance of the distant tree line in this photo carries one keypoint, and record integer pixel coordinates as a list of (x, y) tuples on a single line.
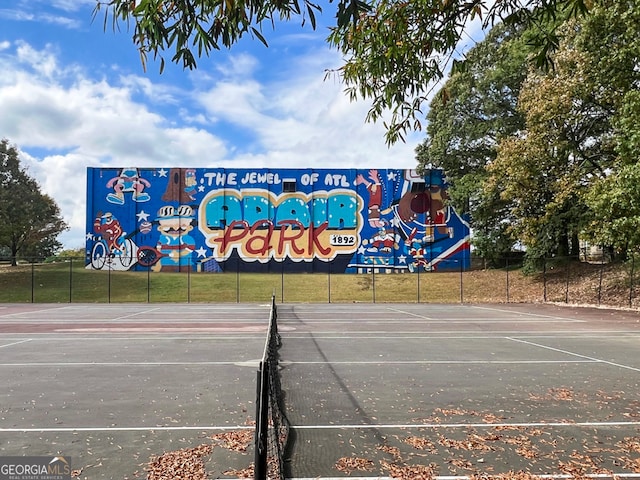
[(30, 221), (545, 158)]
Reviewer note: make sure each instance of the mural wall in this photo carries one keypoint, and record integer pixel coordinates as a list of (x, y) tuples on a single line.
[(272, 220)]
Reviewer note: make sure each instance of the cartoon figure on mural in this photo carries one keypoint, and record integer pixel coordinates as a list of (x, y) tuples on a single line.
[(412, 222), (384, 240), (374, 187), (109, 228), (112, 242), (190, 183), (418, 250), (128, 180), (181, 186), (391, 220), (175, 245)]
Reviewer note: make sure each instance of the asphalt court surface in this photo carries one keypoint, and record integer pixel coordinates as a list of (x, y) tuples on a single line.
[(372, 390)]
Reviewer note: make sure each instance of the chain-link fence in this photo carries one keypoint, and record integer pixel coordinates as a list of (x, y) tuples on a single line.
[(565, 280)]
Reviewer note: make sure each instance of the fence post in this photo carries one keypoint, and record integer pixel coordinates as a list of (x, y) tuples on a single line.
[(70, 278), (461, 288), (600, 281), (566, 289), (149, 284), (109, 283), (188, 283), (329, 282), (507, 263), (238, 280), (33, 281), (282, 281), (418, 284), (633, 265), (373, 281), (544, 279)]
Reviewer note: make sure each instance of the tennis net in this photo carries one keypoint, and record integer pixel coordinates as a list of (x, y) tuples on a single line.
[(272, 425)]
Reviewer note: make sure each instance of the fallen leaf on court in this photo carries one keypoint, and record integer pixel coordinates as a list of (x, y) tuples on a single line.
[(410, 472), (472, 443), (506, 476), (244, 473), (394, 451), (350, 464), (184, 464), (448, 412), (491, 418), (461, 463), (238, 441), (631, 444), (527, 452), (420, 443)]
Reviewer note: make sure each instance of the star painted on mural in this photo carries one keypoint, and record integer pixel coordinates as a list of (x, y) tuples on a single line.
[(391, 176), (361, 250), (402, 259), (142, 216), (201, 188), (89, 236), (202, 252), (162, 172), (395, 222)]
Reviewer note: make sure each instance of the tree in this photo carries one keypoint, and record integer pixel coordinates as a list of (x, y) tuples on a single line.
[(393, 50), (30, 221), (613, 199), (473, 111), (553, 169)]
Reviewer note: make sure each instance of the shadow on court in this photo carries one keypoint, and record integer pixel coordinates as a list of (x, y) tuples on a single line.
[(455, 391), (372, 390)]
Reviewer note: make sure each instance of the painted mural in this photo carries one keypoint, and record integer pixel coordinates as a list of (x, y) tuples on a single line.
[(272, 220)]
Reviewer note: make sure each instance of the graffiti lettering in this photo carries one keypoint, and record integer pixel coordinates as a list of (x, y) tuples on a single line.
[(336, 179), (263, 226), (268, 178)]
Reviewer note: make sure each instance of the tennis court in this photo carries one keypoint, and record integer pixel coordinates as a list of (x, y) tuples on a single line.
[(371, 390)]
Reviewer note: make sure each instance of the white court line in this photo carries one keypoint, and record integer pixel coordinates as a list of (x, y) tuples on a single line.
[(586, 357), (287, 362), (47, 337), (124, 429), (240, 363), (430, 321), (410, 313), (437, 362), (526, 313), (514, 314), (337, 335), (329, 335), (17, 314), (134, 314), (16, 343), (438, 426)]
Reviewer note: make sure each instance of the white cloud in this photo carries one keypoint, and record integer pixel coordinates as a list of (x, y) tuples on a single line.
[(43, 62), (70, 5), (14, 14), (41, 16), (64, 119)]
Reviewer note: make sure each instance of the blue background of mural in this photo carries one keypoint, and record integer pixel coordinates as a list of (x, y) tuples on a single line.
[(272, 220)]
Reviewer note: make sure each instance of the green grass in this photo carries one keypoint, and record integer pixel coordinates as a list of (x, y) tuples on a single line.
[(70, 282)]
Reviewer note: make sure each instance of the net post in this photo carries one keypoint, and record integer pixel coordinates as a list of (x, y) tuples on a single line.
[(262, 424)]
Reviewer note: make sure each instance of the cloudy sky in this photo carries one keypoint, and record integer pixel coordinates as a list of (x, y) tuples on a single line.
[(73, 95)]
